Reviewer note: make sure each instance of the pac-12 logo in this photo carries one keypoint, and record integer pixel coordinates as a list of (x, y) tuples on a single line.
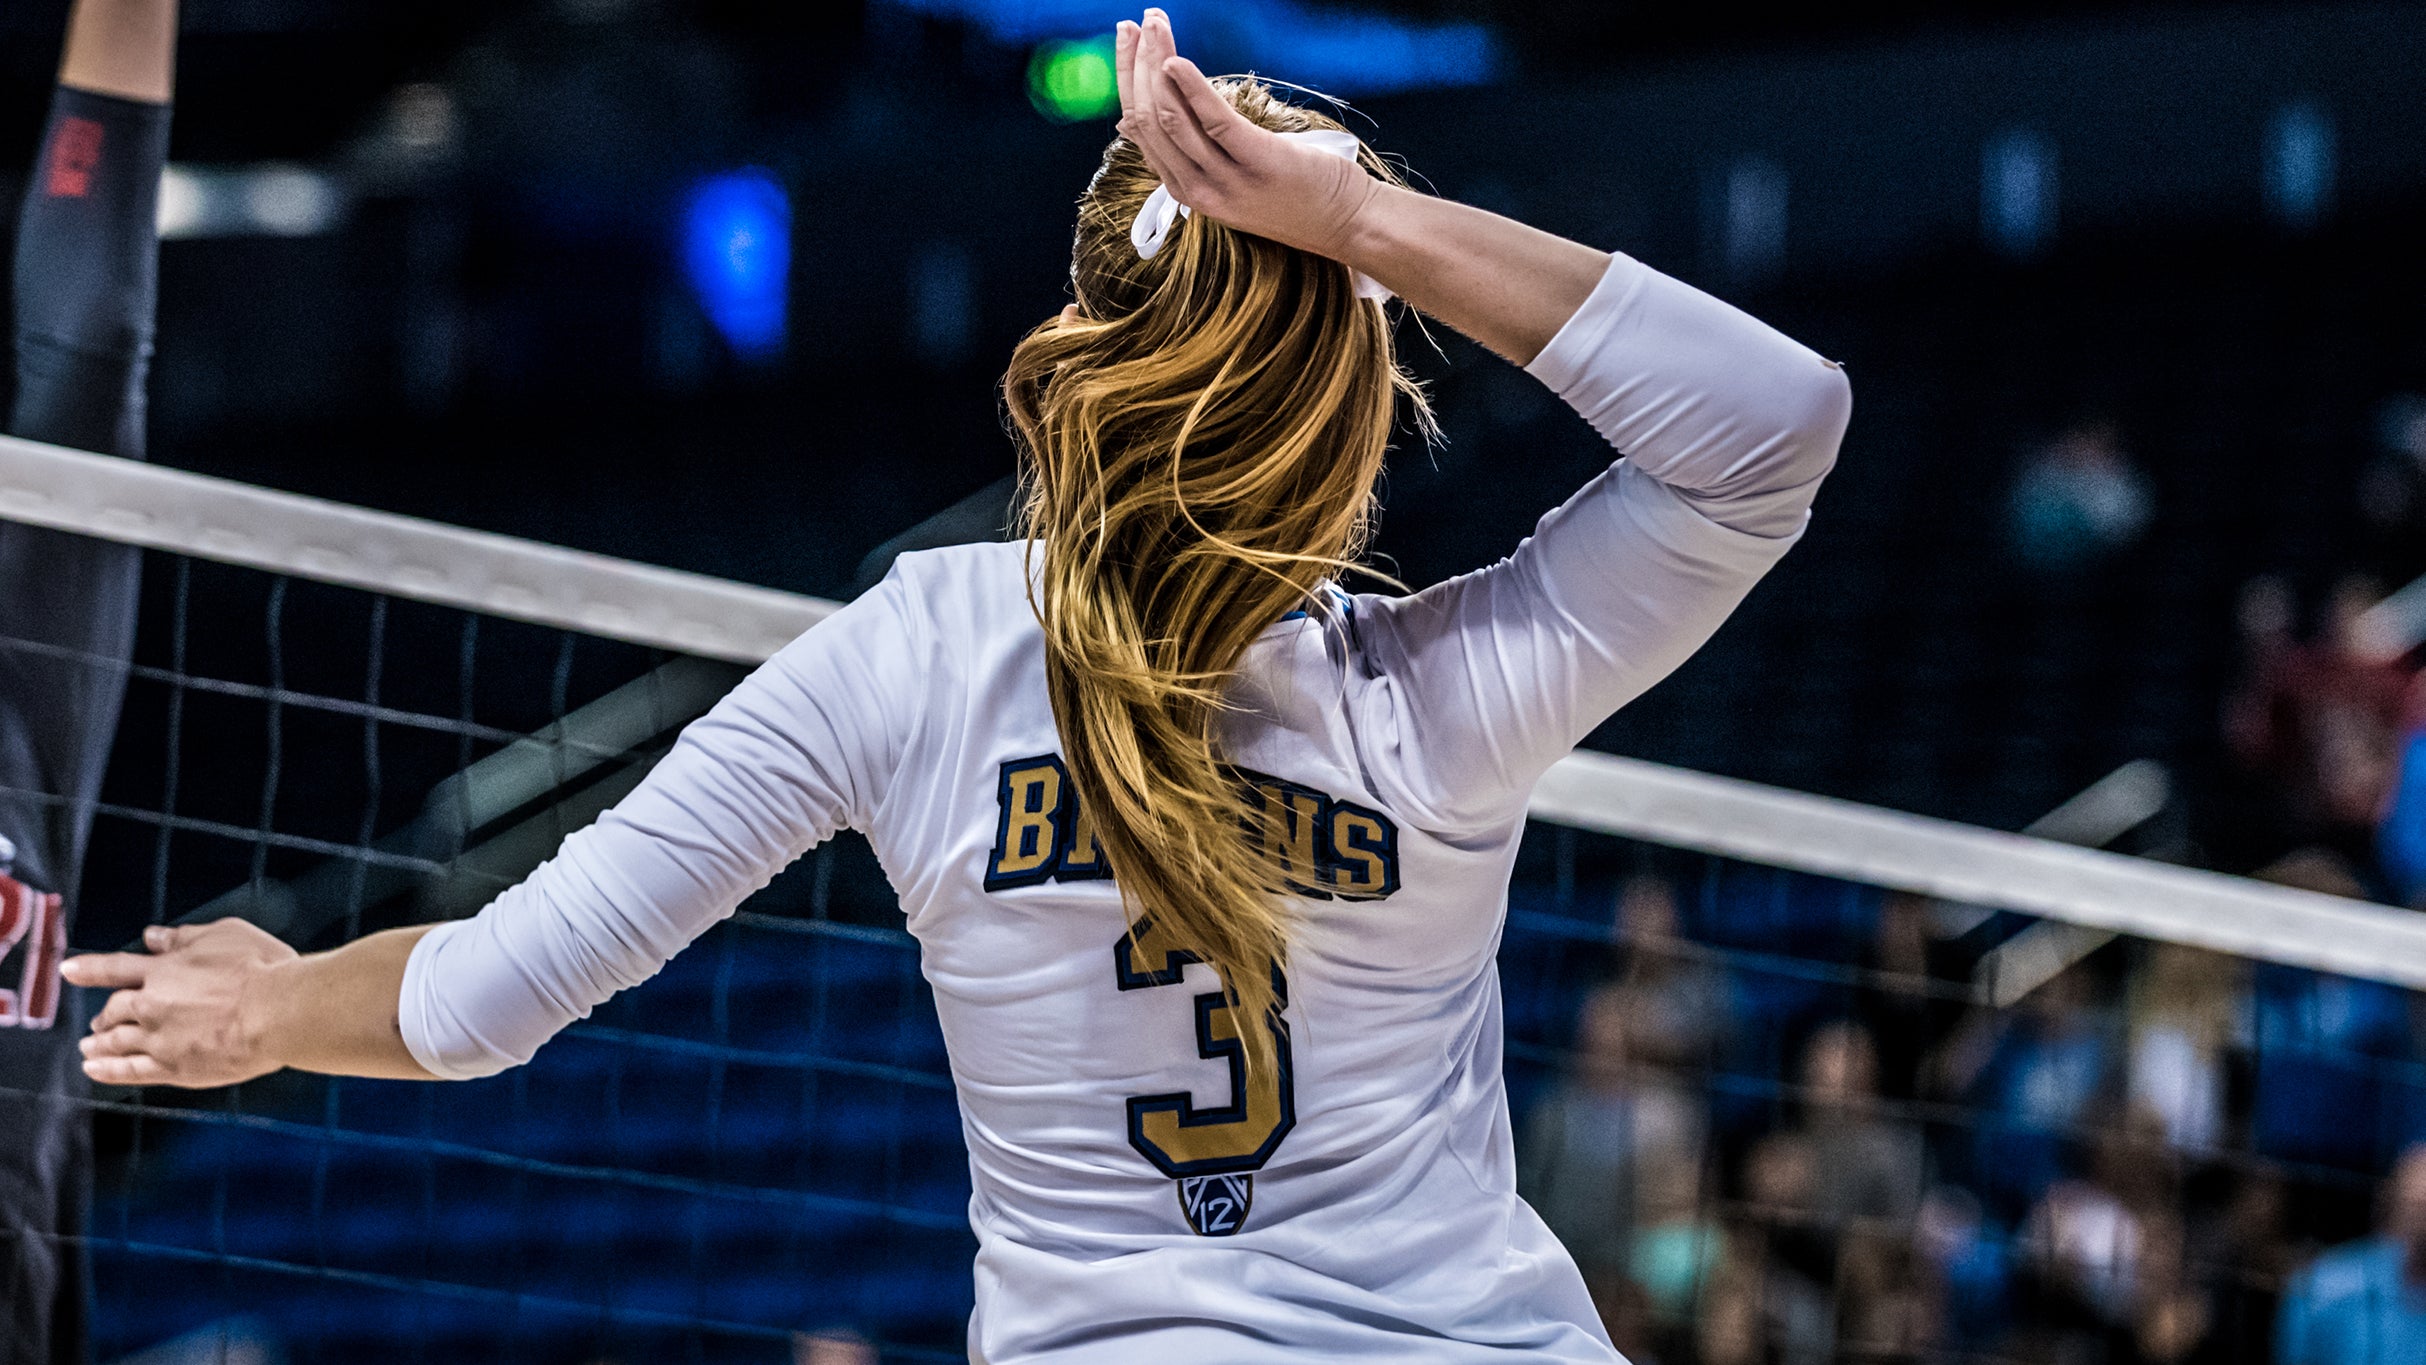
[(1216, 1205)]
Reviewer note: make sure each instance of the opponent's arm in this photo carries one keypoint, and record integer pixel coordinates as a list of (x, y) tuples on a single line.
[(125, 48), (84, 271), (215, 1004), (1507, 285), (86, 261)]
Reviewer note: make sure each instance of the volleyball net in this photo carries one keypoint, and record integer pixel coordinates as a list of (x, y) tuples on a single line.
[(1795, 1078)]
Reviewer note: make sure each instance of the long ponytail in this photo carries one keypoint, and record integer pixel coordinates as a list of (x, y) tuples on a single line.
[(1199, 455)]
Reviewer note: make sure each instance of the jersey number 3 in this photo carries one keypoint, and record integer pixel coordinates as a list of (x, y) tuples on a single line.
[(1171, 1131)]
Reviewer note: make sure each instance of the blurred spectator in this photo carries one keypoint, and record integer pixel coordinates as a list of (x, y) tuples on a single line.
[(2253, 1253), (1855, 1174), (2320, 1043), (1731, 1328), (2110, 1256), (2318, 1011), (1612, 1160), (1773, 1276), (1867, 1165), (2323, 718), (1969, 1259), (1891, 1299), (2392, 487), (2266, 618), (2030, 1073), (1683, 1005), (1756, 1314), (1907, 1011), (2079, 499), (2365, 1302), (2188, 1008)]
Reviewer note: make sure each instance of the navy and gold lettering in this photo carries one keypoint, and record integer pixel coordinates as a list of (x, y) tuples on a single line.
[(1289, 821), (1325, 847), (1027, 840), (1171, 1130), (1364, 853), (1085, 860)]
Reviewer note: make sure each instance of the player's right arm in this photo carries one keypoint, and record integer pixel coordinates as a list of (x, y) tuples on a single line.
[(214, 1004), (806, 745)]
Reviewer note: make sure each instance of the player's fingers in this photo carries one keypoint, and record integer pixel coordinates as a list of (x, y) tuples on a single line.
[(1212, 121), (1136, 92), (136, 1069), (1146, 124), (1180, 124), (123, 1007), (166, 938), (123, 1040), (105, 970), (1155, 44), (1124, 56)]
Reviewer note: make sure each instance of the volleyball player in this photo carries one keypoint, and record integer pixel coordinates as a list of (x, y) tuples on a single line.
[(85, 269), (1207, 858)]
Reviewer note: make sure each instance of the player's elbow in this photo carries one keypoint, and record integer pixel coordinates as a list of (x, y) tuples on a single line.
[(1818, 405)]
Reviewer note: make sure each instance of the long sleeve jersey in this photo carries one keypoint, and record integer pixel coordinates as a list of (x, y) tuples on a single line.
[(1139, 1192)]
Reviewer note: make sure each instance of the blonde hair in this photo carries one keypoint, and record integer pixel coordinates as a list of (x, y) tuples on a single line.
[(1199, 451)]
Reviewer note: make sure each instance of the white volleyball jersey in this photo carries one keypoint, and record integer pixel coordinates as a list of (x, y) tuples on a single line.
[(1138, 1195)]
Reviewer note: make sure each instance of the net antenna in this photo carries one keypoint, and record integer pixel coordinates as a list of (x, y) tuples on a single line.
[(406, 557), (2104, 811)]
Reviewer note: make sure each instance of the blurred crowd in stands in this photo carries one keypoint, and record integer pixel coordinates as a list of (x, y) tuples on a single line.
[(2156, 1155), (2144, 1159), (2329, 730)]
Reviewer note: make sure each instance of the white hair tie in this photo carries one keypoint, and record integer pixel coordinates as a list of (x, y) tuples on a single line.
[(1162, 212)]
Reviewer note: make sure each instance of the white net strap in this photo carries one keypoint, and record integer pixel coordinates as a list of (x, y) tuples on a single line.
[(330, 542)]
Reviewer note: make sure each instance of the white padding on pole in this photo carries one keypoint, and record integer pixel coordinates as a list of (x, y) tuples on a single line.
[(329, 542), (1964, 863)]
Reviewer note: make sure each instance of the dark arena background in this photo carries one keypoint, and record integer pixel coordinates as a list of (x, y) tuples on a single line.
[(2124, 550)]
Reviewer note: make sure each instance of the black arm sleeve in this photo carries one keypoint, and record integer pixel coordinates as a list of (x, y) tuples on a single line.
[(87, 274), (86, 279)]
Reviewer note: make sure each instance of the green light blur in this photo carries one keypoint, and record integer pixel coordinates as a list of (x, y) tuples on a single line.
[(1072, 82)]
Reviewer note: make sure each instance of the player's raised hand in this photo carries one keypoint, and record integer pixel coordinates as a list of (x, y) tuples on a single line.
[(183, 1013), (1214, 160)]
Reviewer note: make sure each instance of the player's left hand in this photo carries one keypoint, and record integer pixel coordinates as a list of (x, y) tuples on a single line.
[(1217, 162), (183, 1013)]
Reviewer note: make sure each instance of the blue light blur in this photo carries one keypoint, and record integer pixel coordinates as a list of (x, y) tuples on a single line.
[(737, 251), (1336, 50)]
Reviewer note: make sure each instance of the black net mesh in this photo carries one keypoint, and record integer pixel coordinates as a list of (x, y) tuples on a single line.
[(1770, 1113)]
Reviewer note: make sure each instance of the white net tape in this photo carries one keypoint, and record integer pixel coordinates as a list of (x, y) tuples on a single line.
[(617, 599)]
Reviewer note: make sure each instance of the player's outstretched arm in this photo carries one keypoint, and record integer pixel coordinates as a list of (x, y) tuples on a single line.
[(214, 1004), (1509, 286)]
